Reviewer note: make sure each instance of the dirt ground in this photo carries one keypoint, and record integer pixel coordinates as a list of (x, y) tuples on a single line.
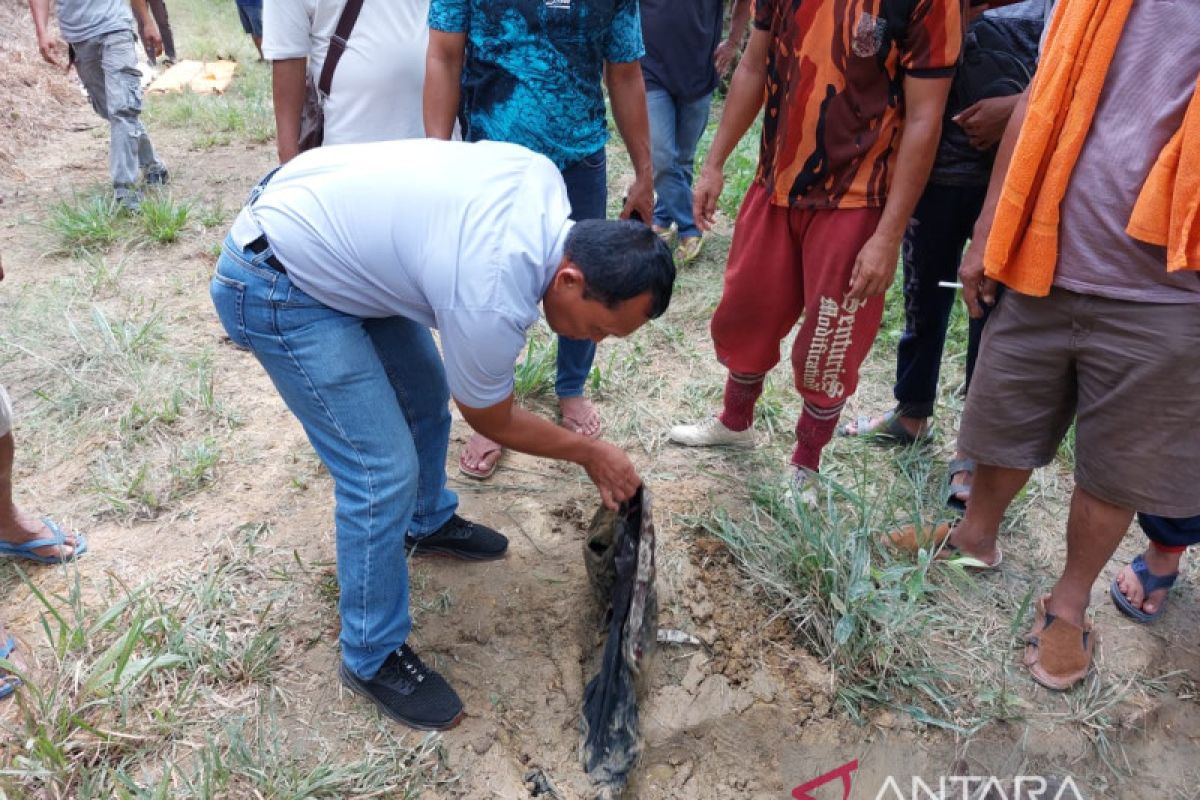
[(748, 714)]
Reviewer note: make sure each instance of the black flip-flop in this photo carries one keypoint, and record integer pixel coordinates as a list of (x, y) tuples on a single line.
[(956, 466), (889, 431)]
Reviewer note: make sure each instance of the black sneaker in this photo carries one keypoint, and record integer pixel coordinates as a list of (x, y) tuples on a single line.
[(157, 176), (409, 692), (458, 538)]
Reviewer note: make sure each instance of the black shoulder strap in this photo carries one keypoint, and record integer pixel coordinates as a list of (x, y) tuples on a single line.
[(337, 45)]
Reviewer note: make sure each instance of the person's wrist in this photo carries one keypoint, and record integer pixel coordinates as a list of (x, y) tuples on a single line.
[(713, 168)]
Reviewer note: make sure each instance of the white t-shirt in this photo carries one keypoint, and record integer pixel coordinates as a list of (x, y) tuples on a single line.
[(462, 237), (376, 90)]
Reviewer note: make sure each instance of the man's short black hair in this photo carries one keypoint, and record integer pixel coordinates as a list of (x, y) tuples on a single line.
[(620, 259)]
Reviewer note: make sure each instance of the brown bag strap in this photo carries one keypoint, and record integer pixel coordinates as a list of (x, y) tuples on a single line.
[(337, 45)]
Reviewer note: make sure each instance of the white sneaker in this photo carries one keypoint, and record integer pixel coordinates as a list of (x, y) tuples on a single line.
[(802, 487), (712, 433)]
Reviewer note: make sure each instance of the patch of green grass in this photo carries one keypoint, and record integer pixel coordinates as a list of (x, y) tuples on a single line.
[(85, 223), (112, 373), (168, 690), (534, 375), (244, 113), (162, 218), (868, 615)]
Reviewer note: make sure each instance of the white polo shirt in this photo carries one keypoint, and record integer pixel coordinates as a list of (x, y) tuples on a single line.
[(462, 237), (376, 90)]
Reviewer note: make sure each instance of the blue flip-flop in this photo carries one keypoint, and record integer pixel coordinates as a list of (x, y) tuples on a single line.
[(10, 682), (1150, 583), (25, 549)]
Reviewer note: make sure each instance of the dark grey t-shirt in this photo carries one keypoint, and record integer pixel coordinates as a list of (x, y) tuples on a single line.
[(1149, 85), (681, 37)]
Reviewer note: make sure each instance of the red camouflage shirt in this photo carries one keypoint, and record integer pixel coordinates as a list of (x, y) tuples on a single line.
[(835, 92)]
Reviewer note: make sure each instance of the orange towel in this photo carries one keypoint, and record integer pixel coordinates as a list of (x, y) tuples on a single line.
[(1022, 250), (1167, 211)]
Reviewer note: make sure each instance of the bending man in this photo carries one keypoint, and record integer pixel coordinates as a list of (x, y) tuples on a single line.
[(334, 274)]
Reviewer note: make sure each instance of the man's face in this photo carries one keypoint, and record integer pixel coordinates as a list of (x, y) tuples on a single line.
[(572, 315)]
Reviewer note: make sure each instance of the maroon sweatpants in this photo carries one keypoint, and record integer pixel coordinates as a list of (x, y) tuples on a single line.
[(788, 264)]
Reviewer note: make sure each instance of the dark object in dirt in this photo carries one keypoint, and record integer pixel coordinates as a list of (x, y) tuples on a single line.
[(540, 785), (619, 554)]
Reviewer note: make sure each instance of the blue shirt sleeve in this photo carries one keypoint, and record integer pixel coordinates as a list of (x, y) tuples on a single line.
[(624, 43), (449, 16)]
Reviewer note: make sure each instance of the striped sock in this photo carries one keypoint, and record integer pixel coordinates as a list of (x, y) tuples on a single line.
[(814, 429), (741, 393)]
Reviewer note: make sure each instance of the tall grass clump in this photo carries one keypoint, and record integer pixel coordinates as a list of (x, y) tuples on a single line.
[(85, 222), (871, 617)]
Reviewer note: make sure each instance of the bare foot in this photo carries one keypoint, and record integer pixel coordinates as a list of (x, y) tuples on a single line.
[(1159, 563), (985, 551), (579, 415), (17, 527), (480, 457)]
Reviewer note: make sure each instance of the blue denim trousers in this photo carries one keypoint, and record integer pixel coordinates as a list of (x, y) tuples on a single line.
[(587, 191), (372, 397), (939, 229), (675, 130)]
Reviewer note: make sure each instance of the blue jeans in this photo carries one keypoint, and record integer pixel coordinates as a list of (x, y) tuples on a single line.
[(372, 397), (587, 190), (933, 247), (675, 130)]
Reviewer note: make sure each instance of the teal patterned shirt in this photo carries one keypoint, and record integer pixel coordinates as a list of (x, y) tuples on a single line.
[(533, 69)]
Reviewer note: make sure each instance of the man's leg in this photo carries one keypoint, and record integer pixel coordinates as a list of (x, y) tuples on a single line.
[(836, 333), (991, 493), (131, 148), (587, 190), (17, 527), (159, 9), (1019, 410), (1094, 529), (761, 300), (89, 65), (660, 107), (418, 378), (325, 366), (691, 118)]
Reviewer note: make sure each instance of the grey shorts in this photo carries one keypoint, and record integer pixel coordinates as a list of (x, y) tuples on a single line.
[(1127, 373), (6, 413)]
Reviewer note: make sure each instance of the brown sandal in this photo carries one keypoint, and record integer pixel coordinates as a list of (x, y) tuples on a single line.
[(489, 449), (1058, 654), (910, 539)]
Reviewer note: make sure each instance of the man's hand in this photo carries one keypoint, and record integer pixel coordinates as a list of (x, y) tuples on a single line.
[(51, 48), (724, 55), (613, 473), (874, 268), (705, 195), (985, 120), (640, 199), (977, 290), (152, 36)]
